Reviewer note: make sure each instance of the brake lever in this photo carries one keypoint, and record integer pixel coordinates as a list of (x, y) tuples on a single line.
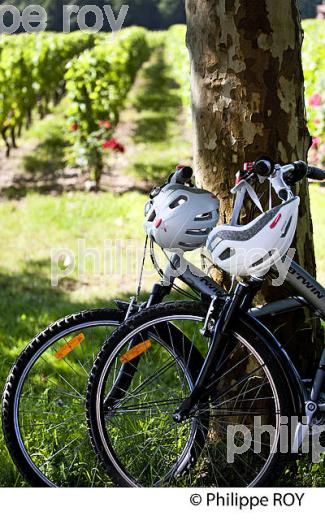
[(278, 183)]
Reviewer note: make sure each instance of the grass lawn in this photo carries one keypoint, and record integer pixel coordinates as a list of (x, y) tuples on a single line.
[(318, 211), (35, 225)]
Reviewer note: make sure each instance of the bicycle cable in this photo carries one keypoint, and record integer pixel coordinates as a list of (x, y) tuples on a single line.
[(178, 289)]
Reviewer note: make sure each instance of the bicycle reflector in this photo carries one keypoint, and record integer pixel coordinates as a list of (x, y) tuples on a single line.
[(69, 346), (135, 352)]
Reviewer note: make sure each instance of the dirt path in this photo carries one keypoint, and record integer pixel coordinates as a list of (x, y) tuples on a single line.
[(15, 181), (152, 129), (11, 168)]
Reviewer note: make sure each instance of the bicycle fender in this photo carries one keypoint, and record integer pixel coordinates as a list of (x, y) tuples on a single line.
[(296, 388)]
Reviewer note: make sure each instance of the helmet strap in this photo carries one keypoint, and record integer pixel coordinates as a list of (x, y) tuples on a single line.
[(240, 190)]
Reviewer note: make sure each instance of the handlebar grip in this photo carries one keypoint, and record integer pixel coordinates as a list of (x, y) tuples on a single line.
[(297, 174), (315, 173), (183, 174), (263, 166)]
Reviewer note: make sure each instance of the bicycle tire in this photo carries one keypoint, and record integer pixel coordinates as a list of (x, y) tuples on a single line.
[(19, 373), (167, 312)]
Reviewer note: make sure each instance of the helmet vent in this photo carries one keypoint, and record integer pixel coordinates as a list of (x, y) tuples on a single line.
[(152, 217), (263, 259), (286, 228), (203, 216), (227, 253), (178, 202), (189, 245), (202, 231)]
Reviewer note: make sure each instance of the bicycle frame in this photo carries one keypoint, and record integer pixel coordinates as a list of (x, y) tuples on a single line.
[(309, 293), (219, 324)]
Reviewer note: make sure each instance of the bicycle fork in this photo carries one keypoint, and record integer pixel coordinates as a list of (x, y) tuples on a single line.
[(218, 347)]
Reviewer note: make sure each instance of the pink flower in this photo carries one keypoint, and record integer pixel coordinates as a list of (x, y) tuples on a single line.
[(315, 100), (316, 142), (317, 121)]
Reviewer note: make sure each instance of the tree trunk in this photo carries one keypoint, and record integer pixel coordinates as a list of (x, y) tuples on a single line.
[(248, 98)]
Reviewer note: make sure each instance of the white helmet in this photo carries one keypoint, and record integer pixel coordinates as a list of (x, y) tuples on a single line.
[(180, 217), (252, 249)]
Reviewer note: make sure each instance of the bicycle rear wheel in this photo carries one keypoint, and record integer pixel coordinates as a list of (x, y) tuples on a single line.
[(43, 413), (137, 439)]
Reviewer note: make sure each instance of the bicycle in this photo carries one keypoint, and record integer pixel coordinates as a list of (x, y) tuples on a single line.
[(160, 405), (44, 396)]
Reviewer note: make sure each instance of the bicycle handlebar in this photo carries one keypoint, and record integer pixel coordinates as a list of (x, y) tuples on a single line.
[(182, 175), (263, 166), (292, 173), (301, 170), (316, 173)]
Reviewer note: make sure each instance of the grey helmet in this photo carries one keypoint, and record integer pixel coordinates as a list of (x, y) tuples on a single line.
[(181, 217)]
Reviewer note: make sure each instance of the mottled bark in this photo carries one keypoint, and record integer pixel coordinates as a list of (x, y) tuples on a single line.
[(248, 95)]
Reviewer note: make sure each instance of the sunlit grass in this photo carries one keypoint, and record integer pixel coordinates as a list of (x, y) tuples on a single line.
[(318, 212), (35, 225)]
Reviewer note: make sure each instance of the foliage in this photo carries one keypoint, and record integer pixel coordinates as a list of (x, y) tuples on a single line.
[(308, 8), (97, 84), (31, 74), (178, 58), (159, 139), (304, 473), (311, 474), (152, 14), (173, 12), (313, 63)]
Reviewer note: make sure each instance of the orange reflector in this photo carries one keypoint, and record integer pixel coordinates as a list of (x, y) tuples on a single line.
[(135, 352), (68, 347)]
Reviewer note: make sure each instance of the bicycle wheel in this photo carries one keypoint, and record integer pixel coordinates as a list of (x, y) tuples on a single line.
[(137, 439), (43, 412)]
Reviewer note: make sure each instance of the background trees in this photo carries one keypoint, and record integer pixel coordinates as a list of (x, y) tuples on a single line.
[(153, 14)]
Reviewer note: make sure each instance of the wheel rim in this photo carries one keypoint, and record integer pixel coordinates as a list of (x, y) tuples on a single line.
[(41, 461), (258, 381)]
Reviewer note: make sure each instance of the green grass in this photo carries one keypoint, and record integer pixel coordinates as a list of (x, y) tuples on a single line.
[(49, 156), (38, 223), (318, 212), (28, 303)]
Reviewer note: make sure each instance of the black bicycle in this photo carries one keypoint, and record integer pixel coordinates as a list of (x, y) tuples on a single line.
[(200, 393)]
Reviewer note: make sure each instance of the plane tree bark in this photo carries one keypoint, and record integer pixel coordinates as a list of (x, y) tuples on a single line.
[(248, 100)]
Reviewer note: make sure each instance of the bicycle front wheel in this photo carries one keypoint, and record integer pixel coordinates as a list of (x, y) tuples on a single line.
[(136, 437)]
